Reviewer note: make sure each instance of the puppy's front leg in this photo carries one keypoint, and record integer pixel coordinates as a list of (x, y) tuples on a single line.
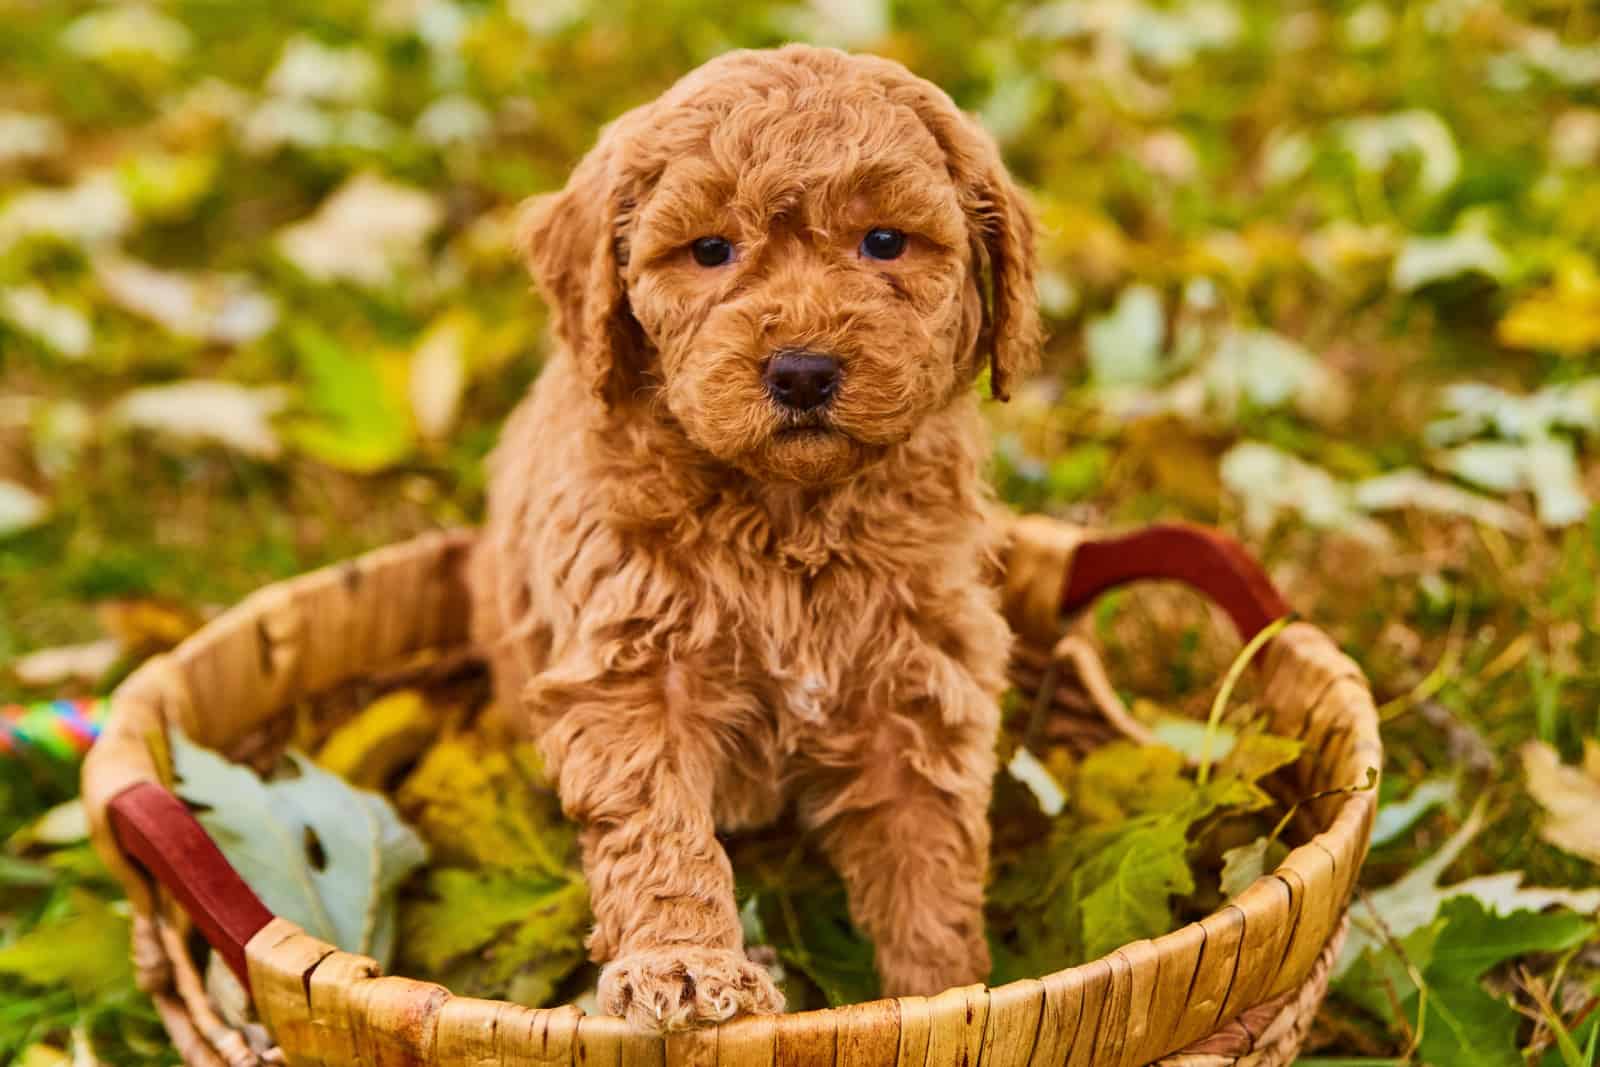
[(910, 836), (638, 774)]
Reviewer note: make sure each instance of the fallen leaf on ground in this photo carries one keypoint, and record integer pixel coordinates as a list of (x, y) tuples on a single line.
[(133, 33), (1125, 345), (1425, 260), (1474, 408), (147, 624), (1464, 1023), (85, 949), (236, 416), (65, 824), (1398, 816), (220, 309), (356, 402), (1270, 483), (438, 375), (1569, 795), (93, 212), (1564, 318), (1399, 909), (62, 328), (1377, 141), (20, 508), (1243, 369), (365, 233), (29, 136), (1546, 467), (86, 663), (1403, 489), (309, 69)]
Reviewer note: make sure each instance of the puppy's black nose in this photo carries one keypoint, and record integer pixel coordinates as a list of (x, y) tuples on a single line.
[(801, 380)]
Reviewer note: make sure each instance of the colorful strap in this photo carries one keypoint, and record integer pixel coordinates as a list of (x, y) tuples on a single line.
[(60, 729)]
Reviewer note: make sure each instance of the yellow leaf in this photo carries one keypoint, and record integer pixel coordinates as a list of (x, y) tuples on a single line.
[(1563, 318), (389, 733), (484, 805)]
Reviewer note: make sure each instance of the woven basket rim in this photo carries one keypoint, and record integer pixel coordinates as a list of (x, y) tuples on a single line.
[(1290, 912)]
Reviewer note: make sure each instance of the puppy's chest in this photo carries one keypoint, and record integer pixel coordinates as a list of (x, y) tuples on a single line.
[(811, 646), (803, 655)]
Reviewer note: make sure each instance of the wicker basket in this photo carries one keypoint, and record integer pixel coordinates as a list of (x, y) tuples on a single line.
[(1239, 987)]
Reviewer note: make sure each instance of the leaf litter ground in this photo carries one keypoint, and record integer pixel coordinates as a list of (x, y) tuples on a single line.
[(1321, 274)]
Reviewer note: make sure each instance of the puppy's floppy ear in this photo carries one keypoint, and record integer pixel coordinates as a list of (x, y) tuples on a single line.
[(1002, 229), (574, 242)]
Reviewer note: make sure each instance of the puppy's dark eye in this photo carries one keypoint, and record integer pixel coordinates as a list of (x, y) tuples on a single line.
[(711, 251), (883, 244)]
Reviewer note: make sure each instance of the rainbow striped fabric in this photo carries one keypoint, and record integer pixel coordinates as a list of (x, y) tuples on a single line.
[(60, 729)]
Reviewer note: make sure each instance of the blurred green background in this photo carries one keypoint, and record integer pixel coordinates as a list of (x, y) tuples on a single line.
[(1323, 274)]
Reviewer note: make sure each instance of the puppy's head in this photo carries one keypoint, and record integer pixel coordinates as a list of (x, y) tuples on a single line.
[(799, 254)]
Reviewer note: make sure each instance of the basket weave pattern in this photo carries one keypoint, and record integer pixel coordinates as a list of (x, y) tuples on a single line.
[(1239, 987)]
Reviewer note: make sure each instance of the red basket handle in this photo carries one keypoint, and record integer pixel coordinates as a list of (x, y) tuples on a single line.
[(155, 828), (1204, 559)]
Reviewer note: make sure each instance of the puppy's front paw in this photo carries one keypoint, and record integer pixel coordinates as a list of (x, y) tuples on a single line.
[(677, 988)]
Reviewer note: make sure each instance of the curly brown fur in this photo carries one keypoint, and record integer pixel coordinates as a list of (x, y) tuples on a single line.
[(707, 613)]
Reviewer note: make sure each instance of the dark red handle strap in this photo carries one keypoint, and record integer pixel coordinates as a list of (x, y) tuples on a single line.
[(156, 829), (1204, 559)]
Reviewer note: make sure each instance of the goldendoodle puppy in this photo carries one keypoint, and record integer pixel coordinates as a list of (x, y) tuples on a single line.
[(736, 557)]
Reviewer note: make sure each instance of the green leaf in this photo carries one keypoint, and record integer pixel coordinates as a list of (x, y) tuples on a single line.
[(318, 851), (508, 916), (1467, 1026), (1397, 816), (816, 937), (1123, 779), (1415, 899), (361, 419), (1378, 981), (496, 933), (21, 874), (86, 950), (1244, 864), (1255, 755), (1464, 1024), (1125, 885), (1476, 939)]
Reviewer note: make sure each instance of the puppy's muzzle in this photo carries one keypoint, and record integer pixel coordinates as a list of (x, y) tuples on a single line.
[(801, 380)]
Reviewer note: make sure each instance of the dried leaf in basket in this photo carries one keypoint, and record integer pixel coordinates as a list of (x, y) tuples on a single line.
[(1244, 864), (479, 804), (505, 914), (387, 734), (318, 851)]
